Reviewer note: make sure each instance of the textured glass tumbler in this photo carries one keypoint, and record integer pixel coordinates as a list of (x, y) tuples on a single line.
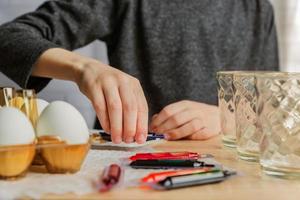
[(226, 105), (279, 115), (248, 133)]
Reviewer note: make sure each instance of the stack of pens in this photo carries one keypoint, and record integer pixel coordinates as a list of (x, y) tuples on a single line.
[(188, 169), (184, 169)]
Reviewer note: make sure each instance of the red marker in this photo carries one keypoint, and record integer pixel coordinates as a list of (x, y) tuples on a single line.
[(169, 156), (159, 176), (110, 177)]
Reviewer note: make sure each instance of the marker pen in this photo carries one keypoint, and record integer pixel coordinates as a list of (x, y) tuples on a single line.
[(166, 164), (151, 136), (159, 176), (169, 156), (192, 180)]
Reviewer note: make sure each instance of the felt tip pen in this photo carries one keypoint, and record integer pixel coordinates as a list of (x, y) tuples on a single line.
[(192, 180), (155, 136), (110, 177), (169, 156), (150, 136), (166, 164), (159, 176)]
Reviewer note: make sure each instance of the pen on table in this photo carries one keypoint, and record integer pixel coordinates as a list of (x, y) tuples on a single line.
[(155, 136), (150, 136), (169, 156), (163, 164), (110, 177), (159, 176), (192, 180)]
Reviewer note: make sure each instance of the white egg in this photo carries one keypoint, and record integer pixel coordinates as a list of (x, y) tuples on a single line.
[(15, 127), (41, 105), (62, 119)]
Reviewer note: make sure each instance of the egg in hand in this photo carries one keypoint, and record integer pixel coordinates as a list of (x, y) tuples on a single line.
[(63, 120)]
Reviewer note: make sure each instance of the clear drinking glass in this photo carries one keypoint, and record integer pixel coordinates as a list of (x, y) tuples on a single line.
[(226, 105), (279, 116), (248, 133), (25, 100), (7, 95)]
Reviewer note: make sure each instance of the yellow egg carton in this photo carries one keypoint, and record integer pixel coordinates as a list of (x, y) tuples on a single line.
[(50, 152), (56, 156)]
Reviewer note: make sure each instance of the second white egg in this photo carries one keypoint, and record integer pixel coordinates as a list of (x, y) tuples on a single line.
[(62, 119)]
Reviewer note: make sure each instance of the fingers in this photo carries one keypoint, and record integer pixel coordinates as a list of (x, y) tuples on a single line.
[(203, 134), (100, 108), (142, 115), (114, 107), (129, 105), (177, 120), (118, 100), (185, 130), (166, 113), (154, 116), (122, 111)]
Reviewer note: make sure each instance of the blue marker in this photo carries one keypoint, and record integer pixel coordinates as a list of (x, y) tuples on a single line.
[(151, 136)]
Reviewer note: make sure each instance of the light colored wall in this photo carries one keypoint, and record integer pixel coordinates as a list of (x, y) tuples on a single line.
[(287, 16), (57, 89)]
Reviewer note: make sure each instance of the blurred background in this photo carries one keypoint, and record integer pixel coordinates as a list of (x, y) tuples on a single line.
[(287, 16), (57, 89)]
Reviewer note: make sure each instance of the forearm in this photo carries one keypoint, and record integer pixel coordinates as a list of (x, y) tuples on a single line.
[(61, 64), (55, 24)]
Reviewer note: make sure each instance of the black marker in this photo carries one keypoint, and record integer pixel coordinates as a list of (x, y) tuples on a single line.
[(151, 136), (192, 180), (166, 164)]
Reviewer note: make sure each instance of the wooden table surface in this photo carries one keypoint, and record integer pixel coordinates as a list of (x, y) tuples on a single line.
[(250, 184)]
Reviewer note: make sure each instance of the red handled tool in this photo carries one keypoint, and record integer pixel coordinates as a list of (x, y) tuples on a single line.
[(110, 177)]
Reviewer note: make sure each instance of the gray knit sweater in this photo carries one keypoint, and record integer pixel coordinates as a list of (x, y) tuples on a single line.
[(174, 47)]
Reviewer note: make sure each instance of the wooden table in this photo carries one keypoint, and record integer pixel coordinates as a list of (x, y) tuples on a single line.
[(251, 184)]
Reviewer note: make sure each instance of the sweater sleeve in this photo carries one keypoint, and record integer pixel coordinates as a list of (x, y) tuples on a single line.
[(67, 24)]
